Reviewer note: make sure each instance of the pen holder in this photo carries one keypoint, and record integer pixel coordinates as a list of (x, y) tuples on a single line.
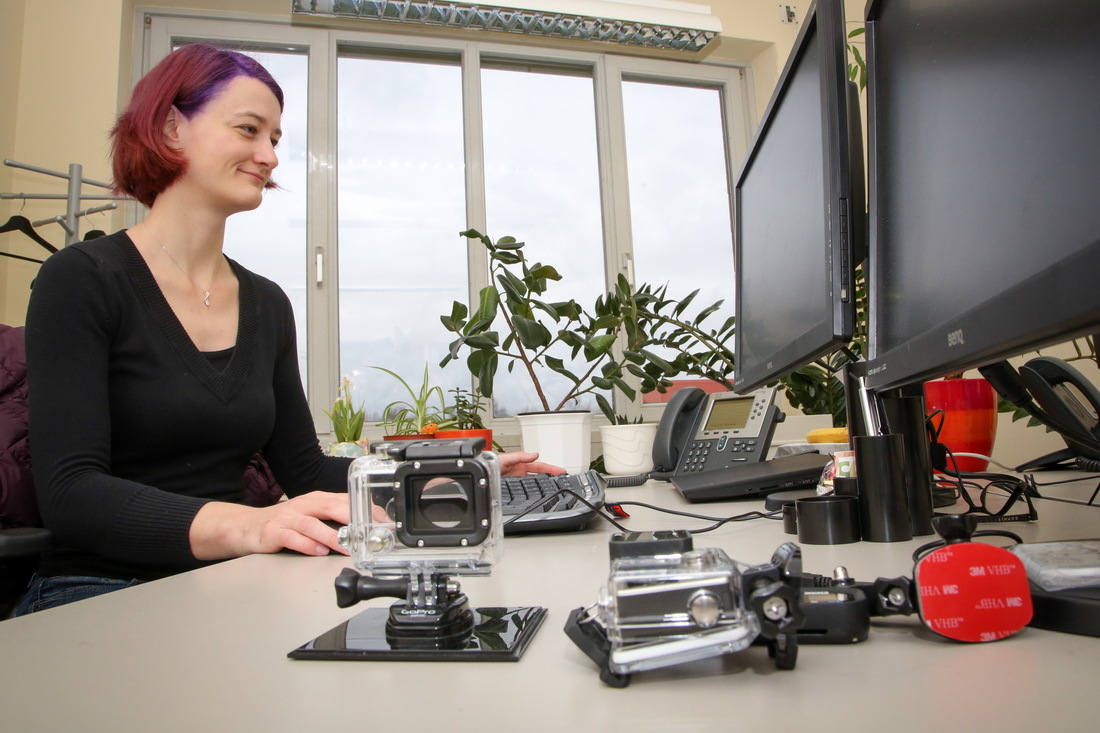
[(906, 415), (883, 491)]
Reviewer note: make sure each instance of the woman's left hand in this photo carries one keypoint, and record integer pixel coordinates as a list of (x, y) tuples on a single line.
[(521, 464)]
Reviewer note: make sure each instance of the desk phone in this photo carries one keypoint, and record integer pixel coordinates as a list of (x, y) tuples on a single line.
[(710, 432)]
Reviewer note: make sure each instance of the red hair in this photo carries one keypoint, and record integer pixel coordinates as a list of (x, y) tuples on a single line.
[(187, 79)]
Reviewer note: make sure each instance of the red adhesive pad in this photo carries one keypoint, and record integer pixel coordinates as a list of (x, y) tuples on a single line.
[(973, 592)]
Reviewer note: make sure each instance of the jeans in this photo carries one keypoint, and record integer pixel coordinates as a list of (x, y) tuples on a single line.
[(45, 593)]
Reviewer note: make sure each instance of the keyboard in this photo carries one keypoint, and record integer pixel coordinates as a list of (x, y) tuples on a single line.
[(550, 510)]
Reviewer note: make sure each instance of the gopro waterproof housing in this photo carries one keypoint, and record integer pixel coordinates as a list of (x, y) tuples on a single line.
[(672, 605), (425, 504), (422, 513)]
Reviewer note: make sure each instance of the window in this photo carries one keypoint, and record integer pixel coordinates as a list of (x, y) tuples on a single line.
[(542, 186), (680, 191), (394, 144), (401, 206)]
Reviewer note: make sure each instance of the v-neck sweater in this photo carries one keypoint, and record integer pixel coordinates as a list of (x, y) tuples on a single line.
[(133, 429)]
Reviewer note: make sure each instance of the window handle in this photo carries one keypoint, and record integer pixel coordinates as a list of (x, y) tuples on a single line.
[(628, 265), (319, 261)]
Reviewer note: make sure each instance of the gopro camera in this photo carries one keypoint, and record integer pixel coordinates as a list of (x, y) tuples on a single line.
[(422, 512), (425, 504), (671, 605)]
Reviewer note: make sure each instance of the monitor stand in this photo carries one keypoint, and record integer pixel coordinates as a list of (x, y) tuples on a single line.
[(899, 411)]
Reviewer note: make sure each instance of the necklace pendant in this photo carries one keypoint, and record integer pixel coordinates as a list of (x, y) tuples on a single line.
[(206, 298)]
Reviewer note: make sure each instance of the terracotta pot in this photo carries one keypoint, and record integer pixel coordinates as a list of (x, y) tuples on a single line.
[(472, 433), (969, 418), (410, 436)]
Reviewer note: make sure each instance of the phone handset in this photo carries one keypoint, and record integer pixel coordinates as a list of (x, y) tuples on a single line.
[(1068, 397), (675, 429), (1057, 395)]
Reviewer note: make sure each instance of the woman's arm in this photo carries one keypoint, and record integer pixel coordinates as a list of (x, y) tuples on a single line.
[(222, 530)]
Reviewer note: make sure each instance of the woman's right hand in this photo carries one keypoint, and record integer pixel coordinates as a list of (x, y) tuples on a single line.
[(222, 530)]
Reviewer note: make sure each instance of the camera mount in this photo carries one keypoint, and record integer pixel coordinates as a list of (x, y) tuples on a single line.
[(435, 613), (666, 604), (422, 513)]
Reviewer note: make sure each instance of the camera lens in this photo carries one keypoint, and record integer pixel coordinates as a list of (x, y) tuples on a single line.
[(443, 503)]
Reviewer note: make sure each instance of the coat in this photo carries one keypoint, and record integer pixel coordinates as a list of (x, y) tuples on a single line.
[(18, 507)]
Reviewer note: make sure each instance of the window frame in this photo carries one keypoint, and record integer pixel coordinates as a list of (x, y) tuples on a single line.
[(157, 29)]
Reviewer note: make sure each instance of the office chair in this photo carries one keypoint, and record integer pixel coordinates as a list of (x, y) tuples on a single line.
[(22, 537)]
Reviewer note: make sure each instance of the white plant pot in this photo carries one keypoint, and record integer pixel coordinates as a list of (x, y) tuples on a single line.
[(560, 438), (628, 449)]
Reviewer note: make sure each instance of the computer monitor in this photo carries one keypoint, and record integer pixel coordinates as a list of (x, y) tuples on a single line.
[(799, 211), (984, 158)]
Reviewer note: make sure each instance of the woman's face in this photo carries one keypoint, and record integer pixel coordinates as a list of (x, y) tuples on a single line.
[(230, 145)]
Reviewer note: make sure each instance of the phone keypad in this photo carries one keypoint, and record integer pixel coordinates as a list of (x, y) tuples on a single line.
[(700, 451), (696, 457)]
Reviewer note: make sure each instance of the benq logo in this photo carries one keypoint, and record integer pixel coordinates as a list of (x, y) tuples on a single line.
[(955, 338)]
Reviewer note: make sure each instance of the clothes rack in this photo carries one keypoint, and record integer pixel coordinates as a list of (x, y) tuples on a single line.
[(70, 220)]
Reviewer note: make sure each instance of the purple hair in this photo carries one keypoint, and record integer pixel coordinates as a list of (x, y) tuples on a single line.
[(188, 78)]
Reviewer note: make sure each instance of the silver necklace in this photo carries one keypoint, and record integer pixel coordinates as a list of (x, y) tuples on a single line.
[(205, 291)]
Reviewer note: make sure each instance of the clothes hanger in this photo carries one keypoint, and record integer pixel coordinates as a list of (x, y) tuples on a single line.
[(19, 223), (20, 257)]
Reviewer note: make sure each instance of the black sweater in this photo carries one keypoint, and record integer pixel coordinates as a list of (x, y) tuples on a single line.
[(132, 429)]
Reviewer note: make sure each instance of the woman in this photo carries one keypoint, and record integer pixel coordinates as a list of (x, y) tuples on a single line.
[(158, 367)]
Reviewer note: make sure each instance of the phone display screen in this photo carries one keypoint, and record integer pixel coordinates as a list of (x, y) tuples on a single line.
[(729, 414)]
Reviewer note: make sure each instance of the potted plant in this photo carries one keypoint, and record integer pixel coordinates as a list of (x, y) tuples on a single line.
[(466, 422), (418, 416), (347, 423), (514, 321)]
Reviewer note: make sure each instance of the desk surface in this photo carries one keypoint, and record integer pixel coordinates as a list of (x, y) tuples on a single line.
[(206, 650)]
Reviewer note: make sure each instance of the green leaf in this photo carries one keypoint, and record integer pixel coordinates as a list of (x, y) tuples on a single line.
[(488, 302), (487, 340), (606, 408), (513, 286), (571, 338), (532, 334), (506, 258), (599, 345), (605, 322), (664, 365), (603, 383), (545, 272), (679, 309), (626, 389)]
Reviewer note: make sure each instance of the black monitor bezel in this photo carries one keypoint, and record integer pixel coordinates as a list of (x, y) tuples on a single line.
[(844, 184), (1001, 327)]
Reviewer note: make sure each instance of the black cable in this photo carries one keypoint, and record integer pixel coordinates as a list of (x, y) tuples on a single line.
[(718, 521), (1016, 488), (1066, 480)]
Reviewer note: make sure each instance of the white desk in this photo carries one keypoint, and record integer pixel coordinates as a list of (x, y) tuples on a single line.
[(206, 651)]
